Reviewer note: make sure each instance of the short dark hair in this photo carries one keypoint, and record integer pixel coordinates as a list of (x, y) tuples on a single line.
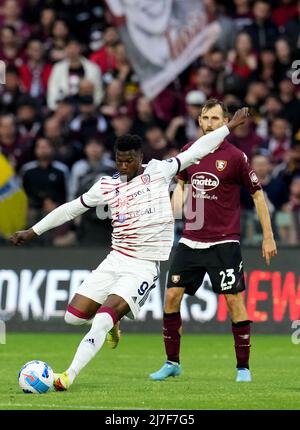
[(127, 142), (210, 103)]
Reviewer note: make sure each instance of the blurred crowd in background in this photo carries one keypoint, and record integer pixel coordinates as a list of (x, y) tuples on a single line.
[(70, 91)]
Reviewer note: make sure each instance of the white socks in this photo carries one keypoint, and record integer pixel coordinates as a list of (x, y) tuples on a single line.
[(90, 344)]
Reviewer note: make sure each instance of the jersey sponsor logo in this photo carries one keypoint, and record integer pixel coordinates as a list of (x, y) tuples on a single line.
[(253, 177), (175, 279), (221, 165), (121, 218), (146, 179), (204, 181)]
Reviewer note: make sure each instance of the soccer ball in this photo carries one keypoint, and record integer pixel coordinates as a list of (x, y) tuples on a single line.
[(36, 377)]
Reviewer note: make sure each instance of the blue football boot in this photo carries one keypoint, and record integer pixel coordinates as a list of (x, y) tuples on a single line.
[(168, 369), (243, 375)]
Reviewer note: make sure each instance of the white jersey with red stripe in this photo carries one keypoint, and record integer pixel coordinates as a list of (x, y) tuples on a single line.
[(142, 219)]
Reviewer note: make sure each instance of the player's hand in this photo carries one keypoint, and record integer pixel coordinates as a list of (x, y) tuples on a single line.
[(22, 236), (238, 118), (269, 249)]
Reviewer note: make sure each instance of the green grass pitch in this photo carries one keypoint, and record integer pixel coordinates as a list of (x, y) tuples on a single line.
[(118, 379)]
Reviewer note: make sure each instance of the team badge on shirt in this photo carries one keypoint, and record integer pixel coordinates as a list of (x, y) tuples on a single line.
[(221, 165), (253, 177), (145, 179)]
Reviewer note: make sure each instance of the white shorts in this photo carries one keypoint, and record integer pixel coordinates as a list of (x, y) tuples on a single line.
[(130, 278)]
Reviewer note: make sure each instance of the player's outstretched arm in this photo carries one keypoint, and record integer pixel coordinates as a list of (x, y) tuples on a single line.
[(211, 141), (58, 216), (269, 248)]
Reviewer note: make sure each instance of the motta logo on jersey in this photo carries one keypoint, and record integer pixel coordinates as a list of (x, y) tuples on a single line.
[(204, 181)]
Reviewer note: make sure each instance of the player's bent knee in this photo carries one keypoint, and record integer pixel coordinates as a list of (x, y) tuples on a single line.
[(73, 319)]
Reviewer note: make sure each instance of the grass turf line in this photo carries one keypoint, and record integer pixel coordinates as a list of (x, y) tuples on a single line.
[(118, 379)]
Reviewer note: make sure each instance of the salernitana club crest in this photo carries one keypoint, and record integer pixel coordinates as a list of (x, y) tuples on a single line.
[(175, 279), (221, 165)]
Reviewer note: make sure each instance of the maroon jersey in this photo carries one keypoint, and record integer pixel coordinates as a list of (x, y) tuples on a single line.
[(217, 179)]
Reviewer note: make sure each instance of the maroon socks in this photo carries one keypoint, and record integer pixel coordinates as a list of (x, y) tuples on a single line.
[(171, 332), (241, 334)]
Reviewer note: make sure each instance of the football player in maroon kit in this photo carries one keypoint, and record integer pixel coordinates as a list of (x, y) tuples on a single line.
[(210, 244)]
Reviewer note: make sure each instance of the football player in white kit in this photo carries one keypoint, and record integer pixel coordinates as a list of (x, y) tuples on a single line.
[(143, 224)]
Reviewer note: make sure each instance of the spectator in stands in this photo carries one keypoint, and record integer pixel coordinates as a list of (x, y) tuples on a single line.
[(292, 29), (246, 139), (294, 204), (66, 76), (88, 123), (11, 146), (169, 103), (285, 11), (46, 22), (64, 114), (183, 129), (203, 80), (28, 121), (124, 73), (105, 57), (113, 98), (65, 151), (256, 94), (290, 167), (226, 38), (279, 139), (44, 180), (10, 46), (11, 15), (95, 225), (121, 123), (276, 195), (284, 59), (242, 59), (270, 109), (11, 92), (266, 70), (156, 144), (262, 31), (275, 189), (95, 163), (35, 71), (291, 105), (216, 61), (59, 41), (144, 116), (242, 15)]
